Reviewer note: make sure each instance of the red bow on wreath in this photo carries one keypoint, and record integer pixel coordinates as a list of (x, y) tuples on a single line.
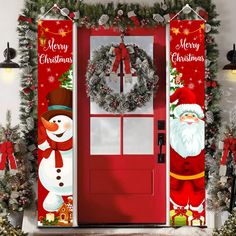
[(6, 149), (229, 145), (180, 211), (121, 53)]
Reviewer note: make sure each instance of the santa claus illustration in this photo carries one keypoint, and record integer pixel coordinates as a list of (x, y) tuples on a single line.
[(55, 141), (187, 187)]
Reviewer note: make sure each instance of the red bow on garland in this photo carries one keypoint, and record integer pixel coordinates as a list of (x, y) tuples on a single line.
[(229, 145), (180, 211), (121, 53), (135, 20), (25, 19), (202, 12), (6, 149)]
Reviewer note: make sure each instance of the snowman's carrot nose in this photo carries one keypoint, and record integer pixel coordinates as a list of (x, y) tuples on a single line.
[(49, 125)]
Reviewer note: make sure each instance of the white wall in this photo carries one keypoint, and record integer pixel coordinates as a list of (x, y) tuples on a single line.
[(9, 87), (9, 92)]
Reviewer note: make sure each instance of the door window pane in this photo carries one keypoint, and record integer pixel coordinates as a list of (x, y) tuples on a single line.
[(138, 135), (104, 136)]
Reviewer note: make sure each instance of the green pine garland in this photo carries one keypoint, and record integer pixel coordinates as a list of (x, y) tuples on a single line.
[(89, 17), (28, 92)]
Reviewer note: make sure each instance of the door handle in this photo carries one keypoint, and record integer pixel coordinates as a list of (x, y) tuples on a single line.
[(161, 141)]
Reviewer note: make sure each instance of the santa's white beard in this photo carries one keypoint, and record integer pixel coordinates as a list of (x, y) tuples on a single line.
[(187, 139)]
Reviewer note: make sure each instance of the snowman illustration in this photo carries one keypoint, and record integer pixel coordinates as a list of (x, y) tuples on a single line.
[(55, 141)]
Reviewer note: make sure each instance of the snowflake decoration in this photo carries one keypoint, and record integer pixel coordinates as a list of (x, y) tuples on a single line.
[(191, 86), (186, 31), (61, 30), (51, 79), (48, 69)]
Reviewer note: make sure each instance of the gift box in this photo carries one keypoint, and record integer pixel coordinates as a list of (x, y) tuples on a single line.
[(196, 220), (179, 217)]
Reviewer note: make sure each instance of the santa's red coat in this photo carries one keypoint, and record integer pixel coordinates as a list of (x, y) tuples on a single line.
[(187, 192)]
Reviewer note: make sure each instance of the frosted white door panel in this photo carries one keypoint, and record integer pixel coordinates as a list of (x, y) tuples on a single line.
[(104, 135), (138, 135)]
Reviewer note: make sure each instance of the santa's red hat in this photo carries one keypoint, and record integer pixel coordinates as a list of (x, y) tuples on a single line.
[(186, 102)]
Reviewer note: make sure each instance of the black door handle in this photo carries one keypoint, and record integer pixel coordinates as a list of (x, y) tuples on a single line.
[(161, 141)]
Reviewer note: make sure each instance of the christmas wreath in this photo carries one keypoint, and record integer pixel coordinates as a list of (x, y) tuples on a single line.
[(104, 65)]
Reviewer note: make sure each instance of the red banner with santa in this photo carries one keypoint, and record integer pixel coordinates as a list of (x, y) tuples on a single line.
[(187, 128), (55, 160)]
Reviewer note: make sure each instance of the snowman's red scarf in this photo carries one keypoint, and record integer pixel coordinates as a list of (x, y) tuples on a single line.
[(57, 147)]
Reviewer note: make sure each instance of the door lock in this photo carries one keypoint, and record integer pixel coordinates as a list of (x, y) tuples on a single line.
[(161, 125)]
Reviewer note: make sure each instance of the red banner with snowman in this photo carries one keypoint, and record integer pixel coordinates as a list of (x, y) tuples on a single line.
[(55, 160), (187, 128)]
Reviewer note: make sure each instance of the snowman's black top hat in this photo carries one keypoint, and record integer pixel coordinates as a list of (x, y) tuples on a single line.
[(59, 103)]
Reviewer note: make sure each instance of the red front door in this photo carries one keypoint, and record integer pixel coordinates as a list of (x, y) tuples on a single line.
[(120, 179)]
